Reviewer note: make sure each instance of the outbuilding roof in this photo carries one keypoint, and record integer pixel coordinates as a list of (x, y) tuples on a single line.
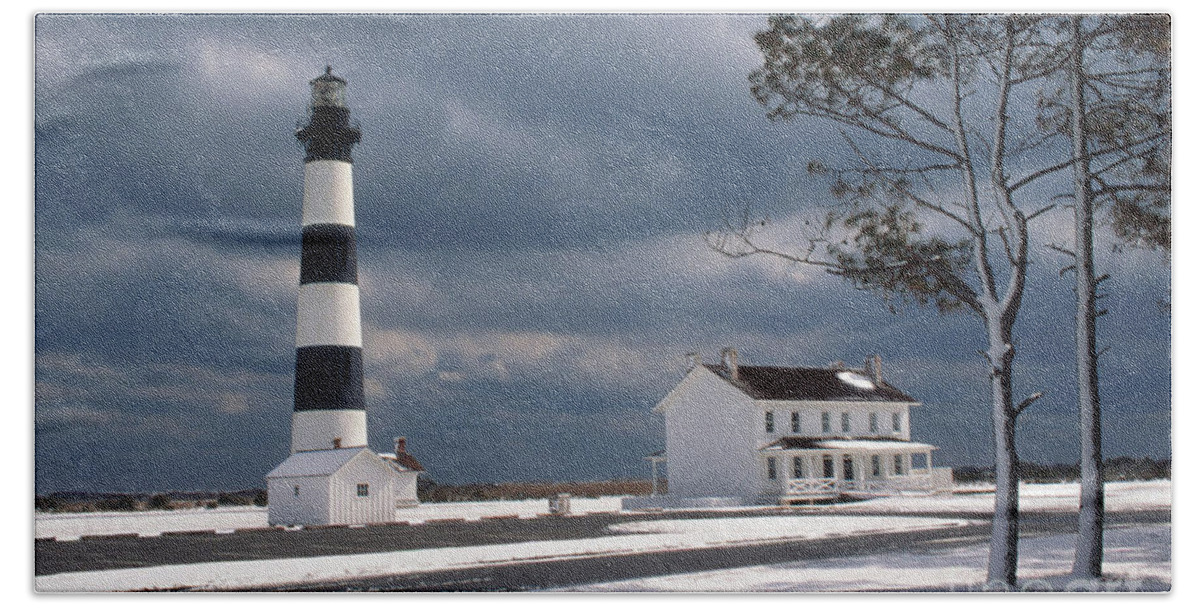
[(808, 384), (404, 461), (315, 463), (845, 443)]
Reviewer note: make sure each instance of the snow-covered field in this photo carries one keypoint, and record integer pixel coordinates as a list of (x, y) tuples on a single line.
[(632, 537), (1136, 558), (1118, 496), (70, 526)]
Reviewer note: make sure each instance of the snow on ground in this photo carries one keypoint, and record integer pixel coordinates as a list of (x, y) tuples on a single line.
[(70, 526), (1118, 496), (633, 537), (1136, 558)]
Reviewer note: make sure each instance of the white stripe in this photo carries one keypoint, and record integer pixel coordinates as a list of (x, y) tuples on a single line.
[(316, 429), (328, 193), (327, 315)]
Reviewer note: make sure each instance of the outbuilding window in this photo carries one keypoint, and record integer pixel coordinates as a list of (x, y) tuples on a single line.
[(771, 468), (898, 464), (770, 422), (364, 489)]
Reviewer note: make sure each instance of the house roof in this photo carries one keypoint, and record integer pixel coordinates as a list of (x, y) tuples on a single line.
[(845, 443), (314, 463), (808, 384)]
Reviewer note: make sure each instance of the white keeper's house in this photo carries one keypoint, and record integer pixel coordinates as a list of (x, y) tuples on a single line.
[(753, 434)]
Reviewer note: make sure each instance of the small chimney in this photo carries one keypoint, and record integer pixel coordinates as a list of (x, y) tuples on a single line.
[(837, 365), (691, 361), (337, 442), (875, 366), (401, 446), (729, 359)]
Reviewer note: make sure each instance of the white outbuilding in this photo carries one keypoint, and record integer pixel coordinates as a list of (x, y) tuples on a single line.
[(340, 486)]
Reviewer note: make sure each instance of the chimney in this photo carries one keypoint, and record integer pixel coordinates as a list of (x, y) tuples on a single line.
[(337, 442), (691, 361), (875, 367), (401, 445), (729, 359), (837, 365)]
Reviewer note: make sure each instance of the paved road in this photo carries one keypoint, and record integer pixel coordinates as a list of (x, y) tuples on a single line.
[(583, 571), (110, 553)]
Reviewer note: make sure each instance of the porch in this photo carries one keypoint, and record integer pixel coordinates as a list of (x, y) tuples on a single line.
[(828, 469)]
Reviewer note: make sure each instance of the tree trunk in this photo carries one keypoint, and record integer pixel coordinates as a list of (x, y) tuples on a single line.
[(1002, 555), (1089, 545)]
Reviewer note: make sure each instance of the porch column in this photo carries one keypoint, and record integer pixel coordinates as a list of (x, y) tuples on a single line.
[(929, 462)]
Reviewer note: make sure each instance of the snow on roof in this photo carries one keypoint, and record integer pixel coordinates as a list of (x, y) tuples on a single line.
[(808, 384), (315, 463), (403, 461), (847, 443)]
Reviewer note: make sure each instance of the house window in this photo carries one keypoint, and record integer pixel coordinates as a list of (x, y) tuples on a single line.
[(898, 464), (876, 465), (771, 468), (364, 489), (847, 468), (797, 467), (795, 422), (896, 422), (770, 422), (826, 426), (295, 490), (873, 422), (845, 422), (827, 466)]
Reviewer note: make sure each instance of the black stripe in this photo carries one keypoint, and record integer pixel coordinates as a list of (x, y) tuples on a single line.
[(328, 254), (329, 135), (329, 378)]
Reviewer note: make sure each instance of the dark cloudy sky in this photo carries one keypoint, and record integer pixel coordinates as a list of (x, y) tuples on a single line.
[(531, 195)]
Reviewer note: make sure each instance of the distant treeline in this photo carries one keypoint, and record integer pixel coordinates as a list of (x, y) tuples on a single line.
[(84, 502), (1115, 469), (429, 491)]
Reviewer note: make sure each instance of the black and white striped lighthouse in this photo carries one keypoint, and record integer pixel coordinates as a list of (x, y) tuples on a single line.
[(329, 410)]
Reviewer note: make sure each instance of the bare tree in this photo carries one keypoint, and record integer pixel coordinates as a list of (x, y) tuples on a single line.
[(1116, 110), (932, 206)]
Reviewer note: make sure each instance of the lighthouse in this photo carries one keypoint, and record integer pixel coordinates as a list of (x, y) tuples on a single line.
[(332, 476), (328, 400)]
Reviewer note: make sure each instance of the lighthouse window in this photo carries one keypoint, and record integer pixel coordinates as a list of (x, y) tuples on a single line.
[(363, 489)]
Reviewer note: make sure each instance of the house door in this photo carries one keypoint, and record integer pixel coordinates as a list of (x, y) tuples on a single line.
[(847, 468)]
